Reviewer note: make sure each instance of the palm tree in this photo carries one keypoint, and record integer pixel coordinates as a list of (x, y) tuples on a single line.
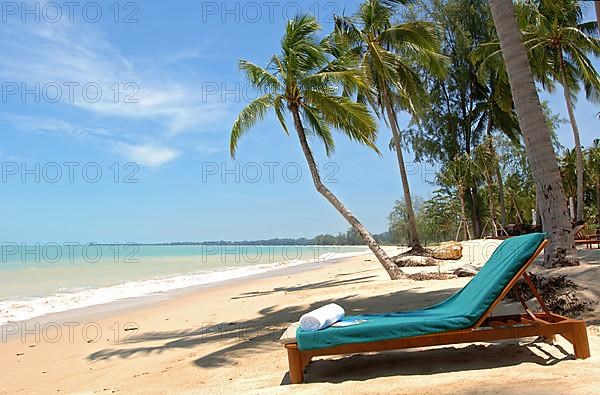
[(386, 54), (560, 47), (496, 114), (440, 216), (487, 163), (302, 81), (536, 133), (520, 198), (458, 174)]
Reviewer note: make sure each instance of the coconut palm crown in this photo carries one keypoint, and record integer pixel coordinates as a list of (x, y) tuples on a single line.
[(303, 79), (303, 82)]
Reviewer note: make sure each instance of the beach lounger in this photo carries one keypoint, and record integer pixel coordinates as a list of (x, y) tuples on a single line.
[(583, 236), (465, 317)]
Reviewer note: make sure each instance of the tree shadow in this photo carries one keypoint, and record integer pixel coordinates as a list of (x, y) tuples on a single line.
[(319, 285), (263, 331), (591, 257), (237, 340)]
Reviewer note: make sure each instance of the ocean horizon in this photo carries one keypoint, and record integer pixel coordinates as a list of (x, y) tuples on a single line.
[(40, 279)]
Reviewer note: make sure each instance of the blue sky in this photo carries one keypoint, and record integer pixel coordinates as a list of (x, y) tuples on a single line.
[(156, 84)]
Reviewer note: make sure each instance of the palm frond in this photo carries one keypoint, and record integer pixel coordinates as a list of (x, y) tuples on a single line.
[(259, 77), (248, 117), (280, 109), (319, 128), (352, 119), (422, 35)]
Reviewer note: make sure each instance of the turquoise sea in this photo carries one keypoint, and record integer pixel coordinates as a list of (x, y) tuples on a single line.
[(39, 279)]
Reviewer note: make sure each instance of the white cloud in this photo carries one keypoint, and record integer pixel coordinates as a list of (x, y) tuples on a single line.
[(183, 55), (69, 52), (51, 125), (169, 102), (208, 149), (147, 155), (144, 154)]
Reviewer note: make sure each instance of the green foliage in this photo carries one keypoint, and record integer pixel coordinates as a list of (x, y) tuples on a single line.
[(398, 221), (306, 77), (465, 104), (568, 170), (350, 238), (485, 158), (592, 167), (458, 173), (437, 219), (560, 45), (520, 198), (389, 55)]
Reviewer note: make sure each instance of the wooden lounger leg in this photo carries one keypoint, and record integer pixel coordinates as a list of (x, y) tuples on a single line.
[(580, 341), (296, 365)]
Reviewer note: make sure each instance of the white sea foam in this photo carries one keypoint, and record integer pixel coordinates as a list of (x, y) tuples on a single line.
[(23, 309)]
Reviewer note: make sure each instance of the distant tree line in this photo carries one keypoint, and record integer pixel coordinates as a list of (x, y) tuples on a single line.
[(346, 239)]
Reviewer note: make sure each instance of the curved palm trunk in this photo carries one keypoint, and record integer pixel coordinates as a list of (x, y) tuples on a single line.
[(414, 240), (540, 153), (391, 268), (578, 151)]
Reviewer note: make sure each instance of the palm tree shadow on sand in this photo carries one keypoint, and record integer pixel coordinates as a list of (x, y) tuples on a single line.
[(237, 340), (319, 285)]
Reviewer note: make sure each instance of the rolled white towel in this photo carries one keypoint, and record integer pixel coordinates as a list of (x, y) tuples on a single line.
[(322, 317)]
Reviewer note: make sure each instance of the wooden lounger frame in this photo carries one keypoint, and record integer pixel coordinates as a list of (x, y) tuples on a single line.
[(581, 237), (487, 328)]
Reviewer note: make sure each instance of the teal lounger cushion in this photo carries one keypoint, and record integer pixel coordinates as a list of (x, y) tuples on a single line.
[(460, 311)]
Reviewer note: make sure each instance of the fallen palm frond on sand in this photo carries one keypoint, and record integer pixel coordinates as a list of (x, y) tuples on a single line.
[(559, 292)]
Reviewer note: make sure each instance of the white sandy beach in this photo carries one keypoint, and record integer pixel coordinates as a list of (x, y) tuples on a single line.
[(224, 339)]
